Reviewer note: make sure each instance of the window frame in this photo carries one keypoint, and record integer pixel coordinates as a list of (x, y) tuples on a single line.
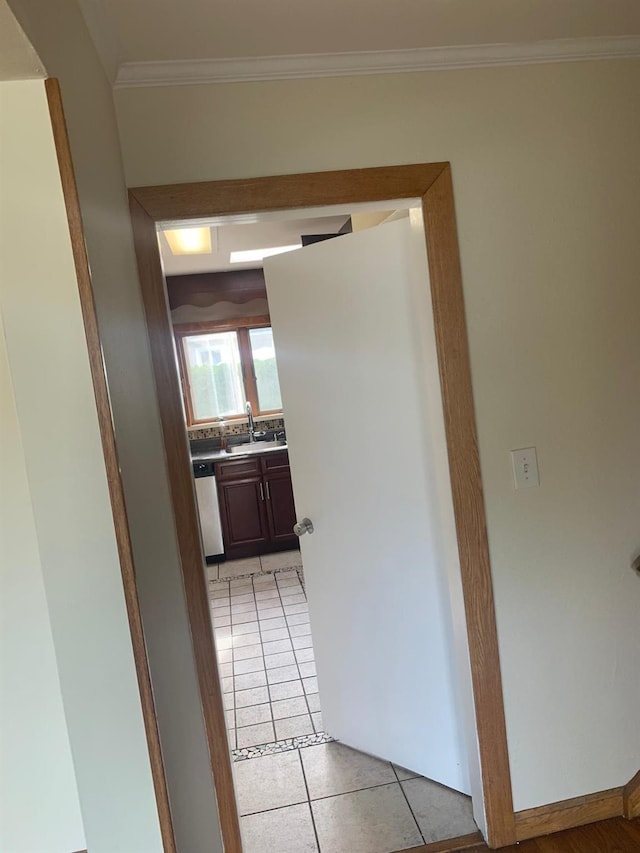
[(242, 327)]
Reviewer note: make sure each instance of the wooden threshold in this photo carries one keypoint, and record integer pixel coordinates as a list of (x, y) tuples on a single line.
[(615, 835), (431, 184), (449, 845), (112, 466), (631, 798), (567, 814)]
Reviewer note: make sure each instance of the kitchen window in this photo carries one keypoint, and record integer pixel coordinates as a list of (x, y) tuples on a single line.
[(223, 369)]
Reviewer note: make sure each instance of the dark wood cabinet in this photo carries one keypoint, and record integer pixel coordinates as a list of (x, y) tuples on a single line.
[(243, 515), (281, 510), (256, 504)]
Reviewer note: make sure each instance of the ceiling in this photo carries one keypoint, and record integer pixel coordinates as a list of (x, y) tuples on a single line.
[(161, 30), (232, 237), (270, 229)]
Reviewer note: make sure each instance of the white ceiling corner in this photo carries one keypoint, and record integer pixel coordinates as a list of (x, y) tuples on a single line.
[(186, 72), (18, 58), (104, 35)]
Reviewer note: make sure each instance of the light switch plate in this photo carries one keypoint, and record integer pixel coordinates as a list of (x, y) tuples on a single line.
[(525, 468)]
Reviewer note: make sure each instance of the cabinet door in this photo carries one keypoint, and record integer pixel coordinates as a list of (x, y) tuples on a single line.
[(280, 506), (244, 517), (276, 460), (238, 469)]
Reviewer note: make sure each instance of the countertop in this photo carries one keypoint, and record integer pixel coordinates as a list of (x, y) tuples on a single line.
[(239, 451)]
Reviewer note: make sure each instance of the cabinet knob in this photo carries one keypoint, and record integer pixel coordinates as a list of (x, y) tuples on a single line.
[(302, 527)]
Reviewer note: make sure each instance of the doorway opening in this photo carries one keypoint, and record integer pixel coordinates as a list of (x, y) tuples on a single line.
[(431, 185), (301, 784)]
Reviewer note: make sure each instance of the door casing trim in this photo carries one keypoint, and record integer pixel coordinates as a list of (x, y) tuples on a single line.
[(432, 184)]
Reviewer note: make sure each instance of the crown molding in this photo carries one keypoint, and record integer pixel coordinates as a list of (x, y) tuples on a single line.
[(249, 69)]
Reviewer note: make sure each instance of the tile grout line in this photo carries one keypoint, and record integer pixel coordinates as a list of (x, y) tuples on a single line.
[(271, 700), (286, 627), (306, 787), (330, 796), (404, 794), (261, 655), (235, 719), (233, 744), (273, 723), (304, 693), (262, 641)]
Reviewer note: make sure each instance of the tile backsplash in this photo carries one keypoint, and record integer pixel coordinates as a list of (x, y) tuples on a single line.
[(236, 427)]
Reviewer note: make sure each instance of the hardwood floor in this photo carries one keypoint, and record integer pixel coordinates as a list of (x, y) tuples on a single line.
[(609, 836)]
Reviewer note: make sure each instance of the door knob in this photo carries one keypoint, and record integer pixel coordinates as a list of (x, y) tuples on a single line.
[(302, 527)]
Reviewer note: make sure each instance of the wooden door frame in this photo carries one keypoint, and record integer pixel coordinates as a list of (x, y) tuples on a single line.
[(432, 184)]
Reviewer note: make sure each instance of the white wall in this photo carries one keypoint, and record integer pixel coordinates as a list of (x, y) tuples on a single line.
[(547, 190), (72, 517), (39, 807), (57, 30)]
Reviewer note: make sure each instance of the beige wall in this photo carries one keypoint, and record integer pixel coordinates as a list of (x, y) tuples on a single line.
[(57, 31), (39, 806), (71, 513), (548, 197)]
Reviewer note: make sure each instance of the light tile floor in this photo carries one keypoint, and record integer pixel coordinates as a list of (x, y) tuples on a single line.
[(298, 791), (261, 623)]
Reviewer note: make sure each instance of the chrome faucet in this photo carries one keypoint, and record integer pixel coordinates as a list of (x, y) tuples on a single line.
[(252, 426)]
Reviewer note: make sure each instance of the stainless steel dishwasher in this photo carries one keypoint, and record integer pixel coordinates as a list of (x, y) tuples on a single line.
[(208, 509)]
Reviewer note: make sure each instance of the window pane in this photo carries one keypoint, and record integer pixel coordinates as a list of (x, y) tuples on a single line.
[(266, 371), (215, 375)]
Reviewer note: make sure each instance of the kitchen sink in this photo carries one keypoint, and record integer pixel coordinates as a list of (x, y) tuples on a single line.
[(255, 447)]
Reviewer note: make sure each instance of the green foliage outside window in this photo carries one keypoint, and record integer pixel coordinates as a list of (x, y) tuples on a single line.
[(268, 385), (214, 391), (215, 364)]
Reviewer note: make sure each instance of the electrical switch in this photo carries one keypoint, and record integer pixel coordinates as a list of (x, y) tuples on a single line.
[(525, 467)]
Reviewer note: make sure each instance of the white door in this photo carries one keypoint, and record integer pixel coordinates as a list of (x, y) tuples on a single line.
[(348, 317)]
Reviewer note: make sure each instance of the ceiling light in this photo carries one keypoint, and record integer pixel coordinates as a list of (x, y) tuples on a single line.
[(189, 241), (253, 255)]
